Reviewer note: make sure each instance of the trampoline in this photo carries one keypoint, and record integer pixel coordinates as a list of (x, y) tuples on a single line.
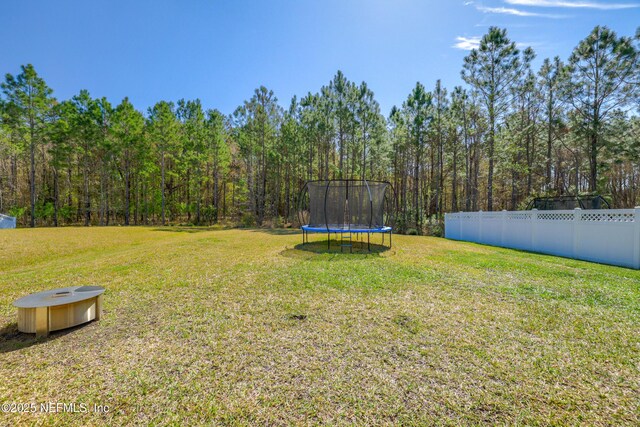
[(348, 208), (554, 203)]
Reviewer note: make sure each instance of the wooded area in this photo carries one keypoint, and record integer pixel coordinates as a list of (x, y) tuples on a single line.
[(511, 133)]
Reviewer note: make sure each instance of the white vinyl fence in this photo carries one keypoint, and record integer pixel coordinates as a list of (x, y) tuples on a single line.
[(7, 221), (610, 236)]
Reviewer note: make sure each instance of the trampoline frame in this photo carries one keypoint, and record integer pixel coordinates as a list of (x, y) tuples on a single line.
[(346, 228)]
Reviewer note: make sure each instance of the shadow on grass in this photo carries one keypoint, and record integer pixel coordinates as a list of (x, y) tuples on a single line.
[(187, 229), (203, 228), (534, 259), (276, 231), (310, 250), (12, 340)]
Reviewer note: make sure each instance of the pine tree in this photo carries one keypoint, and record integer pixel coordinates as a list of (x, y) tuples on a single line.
[(29, 101), (492, 70), (604, 77), (164, 133), (128, 135)]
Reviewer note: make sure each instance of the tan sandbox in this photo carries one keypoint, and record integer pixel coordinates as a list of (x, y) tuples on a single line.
[(47, 311)]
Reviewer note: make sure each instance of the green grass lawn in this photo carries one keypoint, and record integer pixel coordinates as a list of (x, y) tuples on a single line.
[(245, 327)]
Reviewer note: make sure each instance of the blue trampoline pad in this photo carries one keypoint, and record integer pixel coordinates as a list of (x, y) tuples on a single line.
[(338, 228)]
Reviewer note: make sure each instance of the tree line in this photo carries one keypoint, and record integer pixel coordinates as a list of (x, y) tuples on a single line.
[(511, 133)]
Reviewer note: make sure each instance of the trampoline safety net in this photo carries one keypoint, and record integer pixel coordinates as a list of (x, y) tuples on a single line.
[(592, 201), (346, 204)]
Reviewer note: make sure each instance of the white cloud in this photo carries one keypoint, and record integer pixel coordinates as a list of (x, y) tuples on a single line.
[(524, 45), (515, 12), (467, 43), (573, 4)]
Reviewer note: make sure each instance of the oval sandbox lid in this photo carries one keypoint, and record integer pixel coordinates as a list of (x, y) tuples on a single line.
[(58, 296)]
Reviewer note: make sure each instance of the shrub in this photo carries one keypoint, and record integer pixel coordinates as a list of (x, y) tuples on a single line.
[(248, 220), (436, 230), (17, 212), (66, 212), (278, 222)]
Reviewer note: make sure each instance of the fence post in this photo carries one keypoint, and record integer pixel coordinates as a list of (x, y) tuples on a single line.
[(534, 229), (460, 226), (636, 238), (503, 225), (577, 217), (480, 227), (445, 226)]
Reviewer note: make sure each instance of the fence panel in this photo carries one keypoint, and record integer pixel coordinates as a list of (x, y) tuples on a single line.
[(609, 236), (7, 221)]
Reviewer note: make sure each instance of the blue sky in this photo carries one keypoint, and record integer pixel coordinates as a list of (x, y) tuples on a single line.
[(219, 51)]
